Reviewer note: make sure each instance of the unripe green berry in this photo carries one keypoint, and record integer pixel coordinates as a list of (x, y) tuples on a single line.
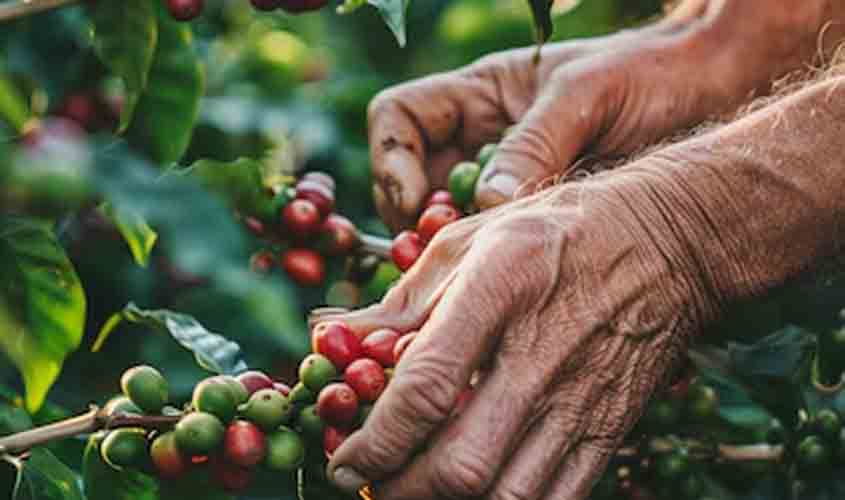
[(124, 448), (812, 454), (310, 424), (199, 433), (146, 387), (672, 466), (285, 450), (214, 397), (300, 394), (828, 423), (316, 372), (267, 409)]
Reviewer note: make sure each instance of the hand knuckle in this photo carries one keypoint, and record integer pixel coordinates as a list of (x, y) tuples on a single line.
[(463, 473), (427, 390), (382, 101), (511, 492)]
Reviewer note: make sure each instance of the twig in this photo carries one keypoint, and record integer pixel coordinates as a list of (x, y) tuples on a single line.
[(95, 419), (20, 8), (375, 245), (750, 453)]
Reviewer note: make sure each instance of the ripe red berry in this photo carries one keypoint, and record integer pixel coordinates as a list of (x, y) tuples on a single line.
[(337, 404), (300, 6), (301, 218), (402, 345), (282, 388), (244, 444), (434, 219), (168, 461), (406, 249), (333, 437), (185, 10), (379, 346), (440, 197), (321, 196), (320, 177), (254, 381), (82, 109), (366, 377), (265, 5), (337, 342), (305, 266), (262, 262), (338, 235), (230, 477)]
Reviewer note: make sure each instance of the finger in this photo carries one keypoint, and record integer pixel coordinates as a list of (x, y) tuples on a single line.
[(564, 119), (470, 454), (580, 471), (388, 213), (428, 382)]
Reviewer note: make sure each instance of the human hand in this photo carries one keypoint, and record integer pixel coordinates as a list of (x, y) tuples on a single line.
[(607, 96)]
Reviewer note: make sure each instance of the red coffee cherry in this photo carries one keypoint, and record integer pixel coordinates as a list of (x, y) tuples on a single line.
[(185, 10), (254, 381), (305, 266), (338, 235), (282, 388), (379, 346), (406, 249), (434, 219), (320, 177), (230, 477), (301, 6), (402, 345), (82, 109), (318, 194), (301, 218), (262, 262), (169, 462), (440, 197), (337, 404), (366, 377), (244, 444), (337, 342), (333, 437)]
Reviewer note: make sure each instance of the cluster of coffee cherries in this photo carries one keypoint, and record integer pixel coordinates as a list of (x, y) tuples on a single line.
[(237, 425), (186, 10), (442, 208), (301, 220)]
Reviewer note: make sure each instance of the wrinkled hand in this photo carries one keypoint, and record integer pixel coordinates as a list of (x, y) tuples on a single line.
[(573, 311), (605, 97)]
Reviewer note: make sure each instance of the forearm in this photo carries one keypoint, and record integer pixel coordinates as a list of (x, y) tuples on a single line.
[(746, 207)]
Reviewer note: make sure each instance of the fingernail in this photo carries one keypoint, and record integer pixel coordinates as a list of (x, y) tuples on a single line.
[(348, 479), (325, 311), (504, 184)]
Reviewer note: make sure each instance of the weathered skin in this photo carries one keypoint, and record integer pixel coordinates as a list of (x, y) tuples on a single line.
[(577, 301)]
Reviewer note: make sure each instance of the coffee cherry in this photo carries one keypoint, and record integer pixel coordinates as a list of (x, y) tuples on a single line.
[(301, 218), (434, 219), (361, 269), (320, 178), (702, 402), (185, 10), (214, 398), (462, 181), (440, 197), (338, 235), (244, 444), (672, 466), (379, 346), (262, 262), (402, 345), (828, 423), (146, 387), (337, 404), (254, 380), (81, 108), (485, 154), (337, 342), (300, 394), (406, 249), (121, 405), (230, 477), (316, 372), (282, 388), (333, 437), (776, 434), (301, 6), (365, 377), (265, 5), (304, 266), (318, 194), (285, 450), (199, 433), (310, 423), (267, 408), (167, 459), (663, 413), (236, 388), (124, 448), (812, 455)]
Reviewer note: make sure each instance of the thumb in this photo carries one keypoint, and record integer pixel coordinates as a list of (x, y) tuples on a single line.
[(563, 120)]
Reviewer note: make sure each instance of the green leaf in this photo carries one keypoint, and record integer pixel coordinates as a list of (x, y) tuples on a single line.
[(168, 108), (102, 482), (138, 234), (42, 305), (239, 181), (542, 12), (394, 14), (13, 106), (777, 356), (125, 37), (212, 351), (43, 477), (735, 404)]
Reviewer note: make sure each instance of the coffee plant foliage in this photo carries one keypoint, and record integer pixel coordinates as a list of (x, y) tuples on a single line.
[(136, 159)]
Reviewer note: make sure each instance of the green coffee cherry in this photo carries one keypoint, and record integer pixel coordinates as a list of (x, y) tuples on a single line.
[(215, 397), (462, 181), (486, 154), (121, 404), (199, 433), (146, 387), (828, 423), (812, 455), (239, 392), (310, 424), (702, 403), (663, 413), (285, 450), (316, 372), (300, 394), (672, 466), (267, 408), (125, 448)]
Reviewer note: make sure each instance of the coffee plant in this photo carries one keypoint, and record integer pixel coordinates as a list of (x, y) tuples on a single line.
[(182, 180)]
